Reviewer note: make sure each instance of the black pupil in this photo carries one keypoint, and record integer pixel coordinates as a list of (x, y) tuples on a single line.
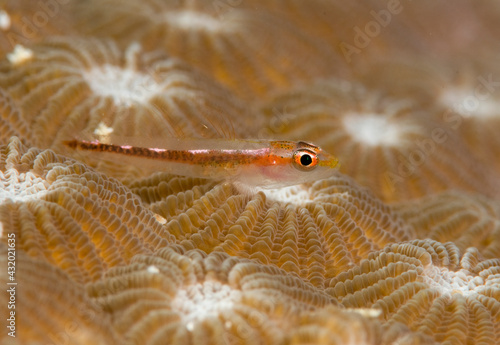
[(305, 160)]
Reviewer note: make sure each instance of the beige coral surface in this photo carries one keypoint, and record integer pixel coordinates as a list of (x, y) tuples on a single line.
[(399, 246)]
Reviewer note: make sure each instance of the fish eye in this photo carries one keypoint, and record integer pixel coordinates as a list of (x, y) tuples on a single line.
[(305, 160)]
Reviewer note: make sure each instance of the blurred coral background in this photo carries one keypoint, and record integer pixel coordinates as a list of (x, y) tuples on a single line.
[(400, 246)]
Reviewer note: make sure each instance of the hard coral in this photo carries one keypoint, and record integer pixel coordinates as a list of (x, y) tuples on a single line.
[(191, 297), (317, 238), (464, 219), (432, 288), (50, 307), (69, 215)]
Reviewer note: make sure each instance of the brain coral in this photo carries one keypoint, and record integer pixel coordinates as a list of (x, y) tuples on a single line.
[(197, 298), (313, 231), (433, 288), (51, 308), (464, 219), (192, 298), (69, 215)]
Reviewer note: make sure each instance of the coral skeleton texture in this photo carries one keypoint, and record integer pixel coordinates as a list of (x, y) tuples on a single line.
[(399, 246)]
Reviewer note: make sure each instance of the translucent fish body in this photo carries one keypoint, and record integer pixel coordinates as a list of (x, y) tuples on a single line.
[(259, 163)]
